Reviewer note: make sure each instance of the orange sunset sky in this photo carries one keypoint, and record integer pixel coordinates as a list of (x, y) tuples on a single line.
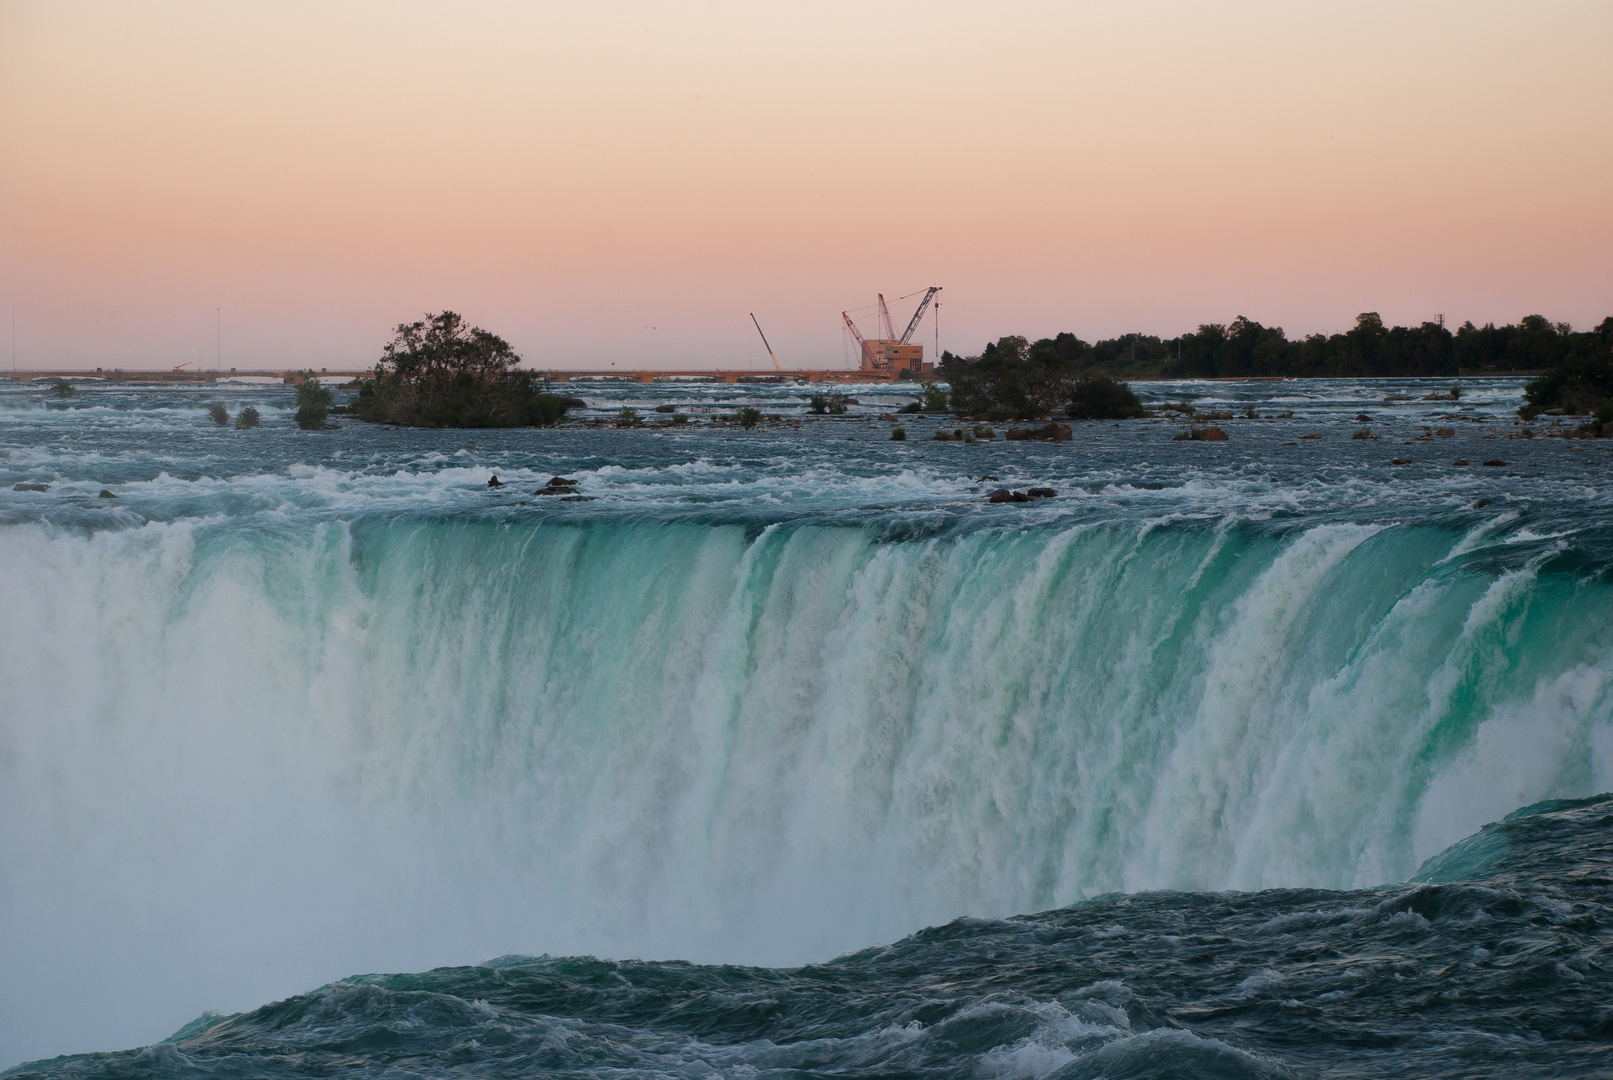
[(626, 181)]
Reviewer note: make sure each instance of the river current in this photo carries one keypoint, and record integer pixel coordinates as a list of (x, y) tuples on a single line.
[(1158, 777)]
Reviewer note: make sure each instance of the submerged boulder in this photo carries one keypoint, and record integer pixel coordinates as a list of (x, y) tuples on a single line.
[(1054, 432), (1003, 495), (558, 485)]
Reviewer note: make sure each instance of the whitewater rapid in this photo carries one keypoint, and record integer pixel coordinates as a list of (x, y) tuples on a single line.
[(296, 730)]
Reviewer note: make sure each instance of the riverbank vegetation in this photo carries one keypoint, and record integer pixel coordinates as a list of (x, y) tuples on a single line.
[(1580, 385), (1244, 348), (440, 372), (1014, 379)]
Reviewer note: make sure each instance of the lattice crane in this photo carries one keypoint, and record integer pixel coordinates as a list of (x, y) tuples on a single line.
[(769, 348), (885, 318), (913, 323)]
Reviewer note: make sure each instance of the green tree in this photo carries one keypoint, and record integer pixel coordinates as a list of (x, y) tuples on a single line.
[(440, 372), (1096, 396), (313, 402), (1012, 379)]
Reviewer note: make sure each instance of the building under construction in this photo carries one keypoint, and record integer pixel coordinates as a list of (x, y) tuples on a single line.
[(891, 353)]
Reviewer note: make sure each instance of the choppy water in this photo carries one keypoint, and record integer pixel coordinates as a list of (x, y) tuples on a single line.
[(298, 705)]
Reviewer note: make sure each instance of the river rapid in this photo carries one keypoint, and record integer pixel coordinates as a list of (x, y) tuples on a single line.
[(293, 707)]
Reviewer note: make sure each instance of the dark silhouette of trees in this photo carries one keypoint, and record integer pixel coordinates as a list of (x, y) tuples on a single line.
[(1244, 348), (439, 372)]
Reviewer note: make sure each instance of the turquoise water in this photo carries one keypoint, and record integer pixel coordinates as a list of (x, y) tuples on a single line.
[(297, 705)]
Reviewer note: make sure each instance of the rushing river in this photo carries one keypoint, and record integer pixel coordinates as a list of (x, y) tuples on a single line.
[(296, 706)]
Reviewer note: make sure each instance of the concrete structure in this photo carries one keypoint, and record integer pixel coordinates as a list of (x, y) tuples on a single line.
[(885, 354)]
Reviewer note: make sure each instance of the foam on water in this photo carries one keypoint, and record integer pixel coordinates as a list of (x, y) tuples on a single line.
[(286, 713)]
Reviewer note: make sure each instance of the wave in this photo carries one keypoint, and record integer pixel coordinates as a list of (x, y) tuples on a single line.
[(1501, 973)]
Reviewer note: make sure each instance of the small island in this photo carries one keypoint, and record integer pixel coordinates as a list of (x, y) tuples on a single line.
[(441, 373)]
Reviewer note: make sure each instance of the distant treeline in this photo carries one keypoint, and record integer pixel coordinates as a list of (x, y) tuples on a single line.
[(1244, 348)]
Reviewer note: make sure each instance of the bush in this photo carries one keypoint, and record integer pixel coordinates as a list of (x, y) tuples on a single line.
[(748, 417), (62, 388), (935, 400), (248, 418), (1096, 396), (629, 417), (1580, 385), (827, 403), (313, 402), (441, 373), (220, 415), (898, 433), (911, 407)]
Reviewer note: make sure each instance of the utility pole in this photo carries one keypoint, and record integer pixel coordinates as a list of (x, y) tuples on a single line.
[(938, 332), (218, 331)]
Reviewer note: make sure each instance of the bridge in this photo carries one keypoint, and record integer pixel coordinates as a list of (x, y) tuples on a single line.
[(634, 375)]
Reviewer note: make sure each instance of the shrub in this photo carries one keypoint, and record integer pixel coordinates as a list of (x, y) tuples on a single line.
[(911, 407), (1361, 433), (748, 417), (827, 403), (1579, 385), (220, 415), (313, 402), (1012, 379), (629, 417), (935, 400), (62, 388), (1096, 396), (248, 418), (899, 433)]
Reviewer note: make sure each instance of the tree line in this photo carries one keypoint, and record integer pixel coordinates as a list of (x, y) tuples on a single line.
[(1244, 348)]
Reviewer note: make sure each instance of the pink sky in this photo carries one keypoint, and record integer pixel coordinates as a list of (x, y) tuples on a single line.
[(571, 176)]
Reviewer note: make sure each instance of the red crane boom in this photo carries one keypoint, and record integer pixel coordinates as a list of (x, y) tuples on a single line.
[(856, 334)]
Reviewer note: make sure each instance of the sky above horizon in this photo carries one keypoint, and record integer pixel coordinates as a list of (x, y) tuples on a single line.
[(280, 184)]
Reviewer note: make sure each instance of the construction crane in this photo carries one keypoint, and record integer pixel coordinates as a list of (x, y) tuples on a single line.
[(885, 317), (182, 367), (913, 323), (769, 348), (856, 334)]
